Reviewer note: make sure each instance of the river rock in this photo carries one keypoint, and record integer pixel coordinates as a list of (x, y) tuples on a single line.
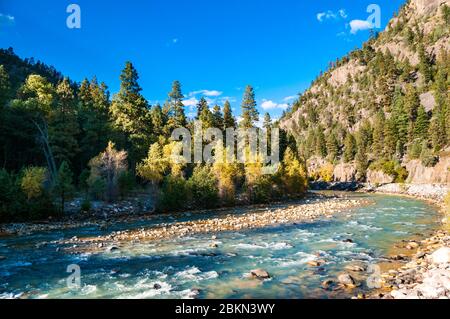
[(412, 246), (157, 286), (112, 249), (441, 256), (346, 279), (260, 273), (355, 268), (327, 284)]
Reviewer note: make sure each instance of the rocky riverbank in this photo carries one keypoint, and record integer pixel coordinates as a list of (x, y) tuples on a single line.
[(427, 274), (307, 211)]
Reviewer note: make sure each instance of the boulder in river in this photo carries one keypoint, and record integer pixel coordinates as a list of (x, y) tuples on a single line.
[(346, 280), (260, 273), (112, 249)]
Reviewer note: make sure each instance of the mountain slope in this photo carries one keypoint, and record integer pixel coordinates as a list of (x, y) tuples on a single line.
[(383, 106)]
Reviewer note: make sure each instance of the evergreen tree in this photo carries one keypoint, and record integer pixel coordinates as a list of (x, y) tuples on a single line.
[(332, 145), (5, 87), (425, 64), (267, 124), (218, 121), (321, 146), (349, 148), (378, 134), (158, 120), (64, 184), (130, 113), (93, 116), (64, 128), (250, 114), (201, 105), (422, 124), (228, 118), (177, 117)]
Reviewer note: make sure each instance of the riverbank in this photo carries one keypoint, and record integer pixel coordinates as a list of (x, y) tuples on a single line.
[(20, 229), (309, 210), (427, 274)]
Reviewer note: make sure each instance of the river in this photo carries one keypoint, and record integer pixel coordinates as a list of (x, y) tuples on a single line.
[(34, 266)]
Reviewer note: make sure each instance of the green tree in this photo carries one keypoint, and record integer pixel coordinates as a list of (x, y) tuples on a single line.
[(218, 121), (93, 116), (332, 145), (378, 134), (228, 118), (321, 145), (177, 117), (422, 124), (64, 184), (63, 124), (349, 148), (250, 114), (201, 106), (5, 87), (425, 64), (130, 114)]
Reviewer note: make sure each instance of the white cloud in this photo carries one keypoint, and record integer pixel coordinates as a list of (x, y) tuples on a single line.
[(271, 105), (6, 20), (190, 102), (213, 93), (331, 15), (290, 98), (343, 13), (359, 25)]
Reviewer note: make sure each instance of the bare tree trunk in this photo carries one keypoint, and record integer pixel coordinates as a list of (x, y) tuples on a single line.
[(43, 131)]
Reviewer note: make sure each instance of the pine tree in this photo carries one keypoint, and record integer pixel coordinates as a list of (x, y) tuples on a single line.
[(63, 126), (349, 148), (250, 114), (332, 145), (201, 105), (130, 113), (378, 134), (176, 116), (64, 184), (93, 116), (267, 124), (425, 64), (228, 118), (321, 145), (5, 87), (218, 121), (158, 120), (422, 124)]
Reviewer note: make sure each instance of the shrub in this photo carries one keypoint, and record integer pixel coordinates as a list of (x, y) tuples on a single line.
[(293, 174), (263, 190), (107, 167), (326, 173), (173, 194), (203, 188), (428, 158), (32, 182)]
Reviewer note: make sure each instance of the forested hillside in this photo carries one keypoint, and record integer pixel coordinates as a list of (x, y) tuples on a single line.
[(60, 139), (382, 112)]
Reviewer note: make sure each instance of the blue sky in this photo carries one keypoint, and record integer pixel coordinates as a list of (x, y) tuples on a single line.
[(214, 47)]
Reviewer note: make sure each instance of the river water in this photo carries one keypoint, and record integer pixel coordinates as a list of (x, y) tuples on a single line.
[(190, 268)]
